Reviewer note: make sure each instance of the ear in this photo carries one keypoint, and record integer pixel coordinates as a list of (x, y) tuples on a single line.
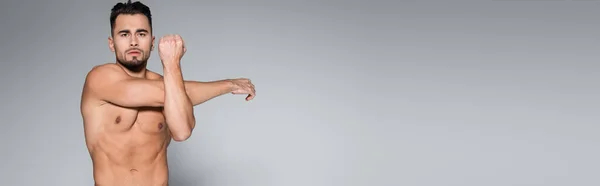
[(152, 46), (111, 44)]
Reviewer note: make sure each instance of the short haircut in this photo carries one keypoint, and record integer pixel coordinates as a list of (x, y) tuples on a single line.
[(129, 8)]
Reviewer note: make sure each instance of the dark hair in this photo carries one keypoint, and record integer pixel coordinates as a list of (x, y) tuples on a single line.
[(129, 8)]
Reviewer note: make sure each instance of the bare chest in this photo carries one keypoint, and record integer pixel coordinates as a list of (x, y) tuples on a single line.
[(128, 136), (145, 121)]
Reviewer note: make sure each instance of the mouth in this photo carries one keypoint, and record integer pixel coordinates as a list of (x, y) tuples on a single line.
[(134, 52)]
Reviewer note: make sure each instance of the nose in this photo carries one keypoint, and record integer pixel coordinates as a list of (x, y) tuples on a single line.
[(134, 42)]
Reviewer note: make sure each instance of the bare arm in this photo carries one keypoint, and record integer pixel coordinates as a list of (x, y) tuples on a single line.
[(111, 84), (181, 96), (178, 108), (199, 91)]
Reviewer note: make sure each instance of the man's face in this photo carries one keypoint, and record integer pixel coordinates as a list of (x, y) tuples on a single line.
[(132, 40)]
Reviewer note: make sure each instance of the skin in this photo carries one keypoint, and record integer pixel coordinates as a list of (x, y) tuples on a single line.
[(132, 114)]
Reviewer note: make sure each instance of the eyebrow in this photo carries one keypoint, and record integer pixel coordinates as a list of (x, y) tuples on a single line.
[(138, 30)]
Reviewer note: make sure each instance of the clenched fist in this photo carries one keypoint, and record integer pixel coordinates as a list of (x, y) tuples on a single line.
[(171, 49), (243, 86)]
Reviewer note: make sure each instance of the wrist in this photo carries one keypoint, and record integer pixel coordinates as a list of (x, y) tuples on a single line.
[(171, 66), (230, 86)]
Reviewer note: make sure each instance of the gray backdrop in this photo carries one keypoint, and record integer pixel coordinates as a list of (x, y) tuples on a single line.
[(350, 93)]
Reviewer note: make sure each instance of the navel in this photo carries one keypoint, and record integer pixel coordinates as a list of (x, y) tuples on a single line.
[(133, 170), (160, 125), (118, 120)]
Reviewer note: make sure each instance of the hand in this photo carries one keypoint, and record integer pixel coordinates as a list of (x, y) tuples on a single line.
[(171, 49), (243, 86)]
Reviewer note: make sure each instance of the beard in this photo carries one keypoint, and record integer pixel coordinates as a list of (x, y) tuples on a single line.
[(134, 65)]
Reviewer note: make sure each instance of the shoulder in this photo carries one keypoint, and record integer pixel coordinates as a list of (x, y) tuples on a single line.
[(108, 69), (104, 71), (97, 78), (104, 74), (153, 75)]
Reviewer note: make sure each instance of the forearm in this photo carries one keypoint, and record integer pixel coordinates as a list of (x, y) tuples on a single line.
[(148, 92), (200, 92), (178, 108)]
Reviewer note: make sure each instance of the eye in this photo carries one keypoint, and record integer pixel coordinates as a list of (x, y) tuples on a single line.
[(123, 35), (142, 34)]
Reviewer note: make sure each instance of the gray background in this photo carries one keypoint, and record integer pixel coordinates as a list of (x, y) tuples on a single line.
[(353, 93)]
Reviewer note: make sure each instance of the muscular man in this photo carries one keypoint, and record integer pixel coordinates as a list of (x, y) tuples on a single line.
[(130, 113)]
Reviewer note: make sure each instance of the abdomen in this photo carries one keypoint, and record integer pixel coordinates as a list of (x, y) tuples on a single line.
[(108, 174), (124, 159)]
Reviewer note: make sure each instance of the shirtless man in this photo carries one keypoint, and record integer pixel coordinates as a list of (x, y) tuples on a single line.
[(130, 114)]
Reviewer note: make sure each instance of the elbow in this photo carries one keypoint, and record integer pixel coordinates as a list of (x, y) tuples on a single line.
[(182, 135), (182, 130)]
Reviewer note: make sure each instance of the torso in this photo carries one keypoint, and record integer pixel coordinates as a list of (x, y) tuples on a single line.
[(128, 146)]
